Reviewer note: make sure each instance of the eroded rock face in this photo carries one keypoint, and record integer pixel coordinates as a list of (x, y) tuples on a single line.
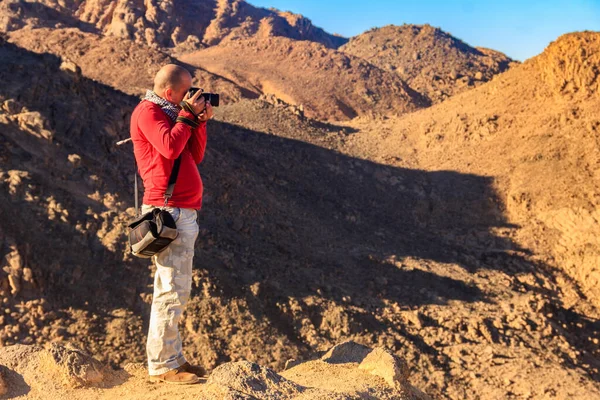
[(73, 366), (570, 65)]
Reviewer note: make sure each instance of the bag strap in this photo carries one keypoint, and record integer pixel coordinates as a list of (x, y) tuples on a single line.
[(172, 180), (135, 189), (171, 186)]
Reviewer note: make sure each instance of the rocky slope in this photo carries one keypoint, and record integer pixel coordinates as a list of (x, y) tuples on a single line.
[(534, 130), (430, 60), (169, 24), (328, 84)]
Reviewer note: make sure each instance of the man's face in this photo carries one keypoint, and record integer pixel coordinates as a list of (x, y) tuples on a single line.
[(176, 95)]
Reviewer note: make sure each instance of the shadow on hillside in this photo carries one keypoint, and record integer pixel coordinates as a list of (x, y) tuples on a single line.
[(70, 262), (301, 220), (297, 219)]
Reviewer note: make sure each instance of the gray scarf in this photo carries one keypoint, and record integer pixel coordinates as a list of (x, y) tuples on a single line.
[(171, 109)]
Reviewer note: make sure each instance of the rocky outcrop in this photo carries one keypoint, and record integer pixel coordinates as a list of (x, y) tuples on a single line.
[(571, 65)]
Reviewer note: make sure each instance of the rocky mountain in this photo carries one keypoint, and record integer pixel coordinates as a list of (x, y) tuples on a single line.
[(430, 60), (247, 52), (180, 24), (329, 85)]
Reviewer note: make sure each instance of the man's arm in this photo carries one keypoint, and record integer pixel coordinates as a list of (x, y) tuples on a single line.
[(197, 142), (155, 126)]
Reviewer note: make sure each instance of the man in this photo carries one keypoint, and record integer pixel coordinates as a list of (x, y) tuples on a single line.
[(162, 130)]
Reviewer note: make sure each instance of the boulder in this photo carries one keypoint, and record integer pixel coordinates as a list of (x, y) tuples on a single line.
[(383, 363), (72, 366), (254, 380)]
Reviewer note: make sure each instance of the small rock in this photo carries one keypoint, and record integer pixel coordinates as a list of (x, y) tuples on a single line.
[(27, 275), (346, 352), (15, 285), (255, 288), (75, 160), (69, 66), (415, 318), (11, 106), (383, 363), (291, 363)]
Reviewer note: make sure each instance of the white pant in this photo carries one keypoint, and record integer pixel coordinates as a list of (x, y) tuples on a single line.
[(172, 286)]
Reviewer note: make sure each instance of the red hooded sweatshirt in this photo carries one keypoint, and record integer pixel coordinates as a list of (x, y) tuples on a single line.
[(157, 142)]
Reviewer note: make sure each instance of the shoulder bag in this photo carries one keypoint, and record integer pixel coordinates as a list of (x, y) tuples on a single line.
[(152, 232)]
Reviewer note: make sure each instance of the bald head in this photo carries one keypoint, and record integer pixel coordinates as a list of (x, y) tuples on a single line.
[(171, 82)]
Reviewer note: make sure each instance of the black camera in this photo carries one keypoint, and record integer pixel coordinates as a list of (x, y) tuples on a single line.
[(213, 98)]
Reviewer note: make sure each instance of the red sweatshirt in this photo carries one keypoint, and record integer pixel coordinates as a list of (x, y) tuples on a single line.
[(157, 142)]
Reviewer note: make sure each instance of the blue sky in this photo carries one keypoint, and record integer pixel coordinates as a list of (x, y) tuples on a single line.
[(520, 29)]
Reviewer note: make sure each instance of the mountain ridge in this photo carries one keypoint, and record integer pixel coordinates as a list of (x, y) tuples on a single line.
[(171, 25)]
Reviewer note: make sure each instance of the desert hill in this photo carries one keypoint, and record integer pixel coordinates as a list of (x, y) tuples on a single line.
[(430, 60), (308, 238), (328, 84), (534, 130), (171, 24)]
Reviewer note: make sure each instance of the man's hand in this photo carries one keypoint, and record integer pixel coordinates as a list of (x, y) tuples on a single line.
[(207, 114), (196, 102)]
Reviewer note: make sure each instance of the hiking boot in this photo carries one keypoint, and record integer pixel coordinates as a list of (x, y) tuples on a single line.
[(176, 377), (193, 369)]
